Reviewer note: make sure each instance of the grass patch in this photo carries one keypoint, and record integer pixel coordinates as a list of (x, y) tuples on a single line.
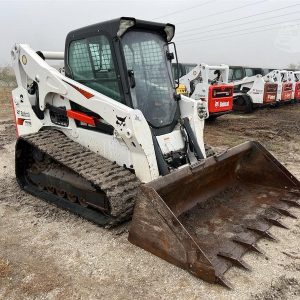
[(5, 102), (5, 268)]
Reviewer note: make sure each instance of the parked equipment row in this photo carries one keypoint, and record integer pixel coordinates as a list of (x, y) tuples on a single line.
[(225, 88)]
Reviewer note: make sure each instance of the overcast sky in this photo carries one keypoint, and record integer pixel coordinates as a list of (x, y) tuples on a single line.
[(262, 33)]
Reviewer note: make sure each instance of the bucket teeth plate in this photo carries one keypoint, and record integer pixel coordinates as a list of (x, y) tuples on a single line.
[(249, 243), (284, 211), (275, 221), (260, 230), (224, 282), (293, 202), (235, 260), (205, 219)]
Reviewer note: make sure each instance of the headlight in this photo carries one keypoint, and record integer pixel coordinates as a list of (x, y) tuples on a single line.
[(170, 31), (124, 25), (201, 109)]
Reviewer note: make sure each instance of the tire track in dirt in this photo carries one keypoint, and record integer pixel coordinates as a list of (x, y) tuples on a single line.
[(52, 254), (282, 289), (7, 133)]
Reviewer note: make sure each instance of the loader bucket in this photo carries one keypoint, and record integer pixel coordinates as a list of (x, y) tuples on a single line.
[(204, 218)]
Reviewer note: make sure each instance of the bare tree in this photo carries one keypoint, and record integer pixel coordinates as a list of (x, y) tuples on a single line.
[(294, 67)]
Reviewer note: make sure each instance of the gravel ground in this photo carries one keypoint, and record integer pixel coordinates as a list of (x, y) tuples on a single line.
[(47, 253)]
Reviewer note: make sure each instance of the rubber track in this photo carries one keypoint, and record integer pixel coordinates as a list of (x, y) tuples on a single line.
[(120, 185)]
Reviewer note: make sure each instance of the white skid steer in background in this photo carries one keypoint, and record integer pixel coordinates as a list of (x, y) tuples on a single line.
[(294, 78), (254, 91), (285, 86), (210, 84)]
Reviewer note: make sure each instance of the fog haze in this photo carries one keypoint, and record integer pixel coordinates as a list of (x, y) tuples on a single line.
[(264, 33)]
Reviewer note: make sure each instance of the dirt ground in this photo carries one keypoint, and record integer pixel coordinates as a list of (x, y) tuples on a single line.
[(47, 253)]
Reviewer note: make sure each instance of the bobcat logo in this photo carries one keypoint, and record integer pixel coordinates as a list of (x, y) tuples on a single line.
[(121, 121)]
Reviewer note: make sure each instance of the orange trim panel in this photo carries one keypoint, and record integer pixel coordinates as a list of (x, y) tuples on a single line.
[(20, 121), (86, 94), (81, 117)]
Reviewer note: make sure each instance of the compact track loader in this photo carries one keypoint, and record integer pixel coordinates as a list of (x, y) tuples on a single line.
[(210, 84), (110, 138), (285, 86), (294, 78), (255, 91)]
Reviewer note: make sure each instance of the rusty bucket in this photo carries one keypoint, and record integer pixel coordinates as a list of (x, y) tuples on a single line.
[(204, 218)]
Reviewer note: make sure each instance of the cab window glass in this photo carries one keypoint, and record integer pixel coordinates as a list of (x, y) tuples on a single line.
[(238, 74), (92, 64), (249, 72), (230, 75)]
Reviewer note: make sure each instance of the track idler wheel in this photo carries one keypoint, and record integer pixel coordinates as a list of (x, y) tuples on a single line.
[(243, 103), (61, 193), (72, 198), (82, 202), (50, 189)]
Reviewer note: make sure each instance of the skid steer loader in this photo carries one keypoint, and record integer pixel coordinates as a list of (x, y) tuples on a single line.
[(294, 78), (110, 138), (255, 91), (285, 86), (210, 84)]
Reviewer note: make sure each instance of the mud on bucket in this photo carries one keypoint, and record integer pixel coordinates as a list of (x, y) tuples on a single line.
[(204, 219)]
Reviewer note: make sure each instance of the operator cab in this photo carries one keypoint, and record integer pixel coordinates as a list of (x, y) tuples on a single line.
[(237, 73), (129, 61)]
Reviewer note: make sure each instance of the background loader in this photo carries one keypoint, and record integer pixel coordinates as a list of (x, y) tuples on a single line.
[(254, 91), (294, 77), (210, 84), (285, 86), (111, 138)]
